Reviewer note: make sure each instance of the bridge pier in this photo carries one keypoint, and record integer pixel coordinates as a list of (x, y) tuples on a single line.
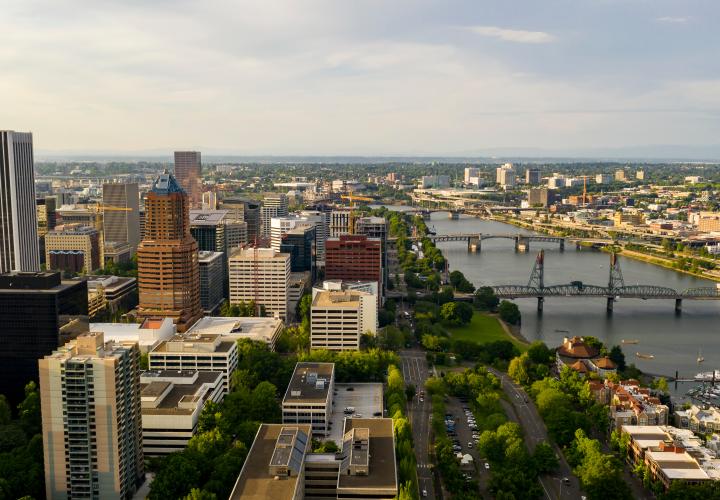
[(541, 301), (610, 304), (453, 215), (678, 306), (474, 245), (522, 244), (562, 245)]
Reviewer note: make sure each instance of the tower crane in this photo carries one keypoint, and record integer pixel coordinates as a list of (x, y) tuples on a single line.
[(352, 198)]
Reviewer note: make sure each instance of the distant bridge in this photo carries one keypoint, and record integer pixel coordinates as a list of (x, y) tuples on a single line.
[(616, 288), (474, 240)]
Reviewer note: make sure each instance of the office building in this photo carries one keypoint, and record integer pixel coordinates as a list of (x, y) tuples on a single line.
[(281, 464), (640, 175), (92, 434), (472, 175), (434, 181), (85, 215), (168, 269), (670, 454), (505, 176), (273, 205), (603, 178), (261, 275), (540, 197), (209, 200), (215, 231), (188, 172), (279, 226), (299, 243), (308, 398), (354, 258), (113, 293), (38, 312), (628, 218), (171, 403), (147, 335), (46, 216), (245, 210), (19, 249), (341, 222), (533, 176), (338, 319), (197, 351), (372, 227), (258, 329), (370, 287), (321, 219), (620, 176), (121, 214), (708, 222), (73, 248), (212, 280)]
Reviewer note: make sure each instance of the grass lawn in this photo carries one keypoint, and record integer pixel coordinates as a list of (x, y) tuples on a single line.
[(483, 329)]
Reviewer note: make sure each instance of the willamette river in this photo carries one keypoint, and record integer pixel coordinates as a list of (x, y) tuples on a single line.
[(673, 339)]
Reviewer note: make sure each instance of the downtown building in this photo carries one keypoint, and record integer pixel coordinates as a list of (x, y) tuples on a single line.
[(212, 280), (19, 248), (273, 205), (73, 248), (245, 210), (339, 318), (92, 434), (121, 215), (354, 258), (168, 268), (188, 172), (261, 275)]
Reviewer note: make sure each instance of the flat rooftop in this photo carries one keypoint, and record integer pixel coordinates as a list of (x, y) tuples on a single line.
[(255, 481), (254, 328), (338, 298), (207, 217), (303, 387), (381, 474), (179, 392), (366, 398), (184, 343)]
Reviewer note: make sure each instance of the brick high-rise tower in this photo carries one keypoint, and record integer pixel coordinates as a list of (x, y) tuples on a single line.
[(168, 269), (188, 172)]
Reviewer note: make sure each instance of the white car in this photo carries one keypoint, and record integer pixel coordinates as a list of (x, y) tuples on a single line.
[(487, 466), (424, 493)]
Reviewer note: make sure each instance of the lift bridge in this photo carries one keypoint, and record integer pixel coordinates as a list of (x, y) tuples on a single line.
[(614, 290)]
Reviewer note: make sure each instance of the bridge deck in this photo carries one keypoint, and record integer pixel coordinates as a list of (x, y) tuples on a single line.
[(587, 290)]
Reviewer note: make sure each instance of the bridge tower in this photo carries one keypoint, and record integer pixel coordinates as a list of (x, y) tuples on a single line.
[(615, 280), (537, 277)]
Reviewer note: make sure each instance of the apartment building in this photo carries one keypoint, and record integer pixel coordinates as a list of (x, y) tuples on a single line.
[(631, 404), (92, 433), (338, 319), (703, 420), (308, 398), (261, 275)]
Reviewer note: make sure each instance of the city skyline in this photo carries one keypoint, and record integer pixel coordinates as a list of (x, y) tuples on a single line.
[(365, 79)]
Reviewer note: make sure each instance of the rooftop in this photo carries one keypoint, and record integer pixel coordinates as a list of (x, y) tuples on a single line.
[(175, 392), (207, 217), (208, 256), (310, 383), (576, 347), (195, 343), (339, 298), (262, 254), (254, 328), (382, 474), (166, 184)]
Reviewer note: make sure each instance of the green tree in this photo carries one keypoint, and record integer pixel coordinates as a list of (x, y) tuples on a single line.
[(177, 476), (544, 458), (618, 357), (198, 494), (519, 369), (5, 410), (29, 410), (486, 299), (539, 353), (509, 312)]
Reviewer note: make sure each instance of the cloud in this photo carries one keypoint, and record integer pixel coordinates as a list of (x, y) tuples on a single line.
[(516, 36), (672, 20)]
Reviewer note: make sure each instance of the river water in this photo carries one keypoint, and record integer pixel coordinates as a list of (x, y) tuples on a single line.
[(673, 339)]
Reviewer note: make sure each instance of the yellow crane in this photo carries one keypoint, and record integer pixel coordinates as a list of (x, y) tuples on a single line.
[(99, 206), (352, 198)]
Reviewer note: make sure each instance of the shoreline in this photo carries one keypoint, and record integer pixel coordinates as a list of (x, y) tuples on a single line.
[(514, 331)]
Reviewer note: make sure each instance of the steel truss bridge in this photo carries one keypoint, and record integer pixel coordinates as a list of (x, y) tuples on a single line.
[(474, 240), (616, 288)]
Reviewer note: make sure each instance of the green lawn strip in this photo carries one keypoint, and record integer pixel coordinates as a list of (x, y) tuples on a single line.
[(483, 329)]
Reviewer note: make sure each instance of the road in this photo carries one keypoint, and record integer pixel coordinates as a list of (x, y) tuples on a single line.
[(415, 372), (525, 413)]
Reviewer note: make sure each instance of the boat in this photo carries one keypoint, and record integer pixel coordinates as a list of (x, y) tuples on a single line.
[(700, 357), (630, 341), (708, 376), (644, 356)]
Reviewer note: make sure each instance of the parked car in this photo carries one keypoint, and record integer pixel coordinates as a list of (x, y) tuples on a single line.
[(487, 466)]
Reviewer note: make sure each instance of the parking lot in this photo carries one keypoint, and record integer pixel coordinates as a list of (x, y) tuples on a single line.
[(365, 399), (463, 431)]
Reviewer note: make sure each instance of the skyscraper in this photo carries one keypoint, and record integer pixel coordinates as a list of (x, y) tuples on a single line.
[(38, 313), (262, 275), (121, 213), (168, 270), (19, 249), (354, 258), (92, 432), (274, 205), (188, 172), (245, 210)]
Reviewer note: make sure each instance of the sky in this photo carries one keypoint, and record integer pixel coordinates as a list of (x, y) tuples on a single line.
[(361, 77)]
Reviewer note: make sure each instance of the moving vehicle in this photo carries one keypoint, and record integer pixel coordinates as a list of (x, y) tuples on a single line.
[(349, 410)]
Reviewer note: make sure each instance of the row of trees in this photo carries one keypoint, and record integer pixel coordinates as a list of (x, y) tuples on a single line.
[(396, 399)]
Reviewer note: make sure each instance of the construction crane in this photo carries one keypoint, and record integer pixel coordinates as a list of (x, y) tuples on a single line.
[(352, 198), (99, 206), (584, 198)]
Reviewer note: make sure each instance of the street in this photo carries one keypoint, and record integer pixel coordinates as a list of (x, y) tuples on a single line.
[(415, 372)]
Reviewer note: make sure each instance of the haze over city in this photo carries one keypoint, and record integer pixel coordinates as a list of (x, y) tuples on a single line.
[(556, 78)]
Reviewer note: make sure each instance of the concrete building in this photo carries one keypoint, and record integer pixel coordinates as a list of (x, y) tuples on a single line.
[(341, 222), (147, 335), (505, 176), (245, 210), (434, 181), (533, 176), (92, 434), (274, 205), (279, 226), (198, 351), (308, 398), (540, 196), (171, 404), (708, 222), (299, 243), (19, 249), (372, 227), (603, 178), (321, 219), (628, 218), (74, 248), (640, 175), (354, 258), (38, 313), (209, 200), (364, 468), (80, 214), (620, 176), (212, 281), (338, 319), (472, 175), (670, 454), (256, 328), (168, 268), (370, 287), (217, 231), (121, 214), (118, 293), (261, 275), (188, 172), (117, 252)]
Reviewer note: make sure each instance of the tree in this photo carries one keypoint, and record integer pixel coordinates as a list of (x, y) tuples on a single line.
[(29, 410), (618, 357), (509, 312), (303, 307), (177, 476), (539, 353), (457, 313), (5, 411), (460, 283), (486, 299), (198, 494), (519, 369), (544, 458)]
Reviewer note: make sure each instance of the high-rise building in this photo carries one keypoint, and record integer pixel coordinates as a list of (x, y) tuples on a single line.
[(245, 210), (603, 178), (46, 216), (540, 196), (354, 258), (505, 175), (188, 172), (209, 200), (38, 313), (640, 175), (168, 270), (281, 225), (338, 319), (19, 249), (74, 248), (299, 242), (274, 205), (217, 231), (321, 219), (372, 227), (80, 214), (121, 214), (470, 174), (341, 221), (620, 176), (262, 275), (533, 176), (212, 280), (92, 431)]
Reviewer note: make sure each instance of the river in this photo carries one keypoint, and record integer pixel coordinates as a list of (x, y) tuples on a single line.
[(673, 339)]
